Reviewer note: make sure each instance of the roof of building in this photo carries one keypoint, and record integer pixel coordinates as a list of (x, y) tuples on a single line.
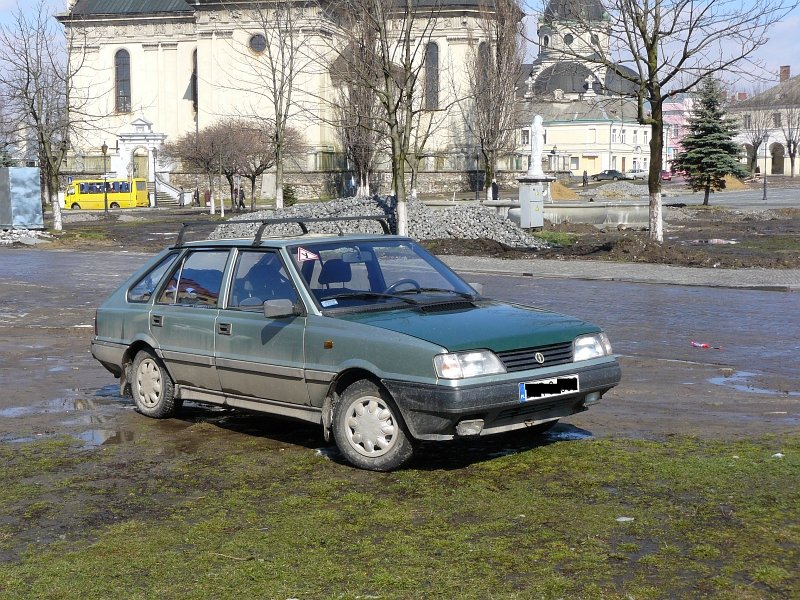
[(123, 7), (574, 10), (786, 93), (572, 77), (126, 7), (595, 109)]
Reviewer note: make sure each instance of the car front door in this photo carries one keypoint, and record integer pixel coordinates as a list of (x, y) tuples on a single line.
[(261, 359), (184, 318)]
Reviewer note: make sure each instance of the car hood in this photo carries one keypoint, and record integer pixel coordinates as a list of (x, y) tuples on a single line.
[(496, 326)]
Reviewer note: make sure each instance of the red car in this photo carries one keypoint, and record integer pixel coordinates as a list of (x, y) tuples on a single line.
[(666, 176)]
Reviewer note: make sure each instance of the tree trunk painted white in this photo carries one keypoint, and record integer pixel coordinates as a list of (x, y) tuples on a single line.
[(402, 217), (656, 223)]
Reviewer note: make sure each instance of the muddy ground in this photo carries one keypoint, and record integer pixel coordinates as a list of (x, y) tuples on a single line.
[(694, 236)]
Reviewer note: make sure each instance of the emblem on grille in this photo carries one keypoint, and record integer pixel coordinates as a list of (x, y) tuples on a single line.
[(539, 358)]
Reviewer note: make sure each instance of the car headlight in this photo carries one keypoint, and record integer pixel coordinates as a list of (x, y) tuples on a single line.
[(591, 346), (460, 365)]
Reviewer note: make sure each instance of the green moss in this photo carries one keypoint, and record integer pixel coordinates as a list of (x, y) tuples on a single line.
[(238, 517)]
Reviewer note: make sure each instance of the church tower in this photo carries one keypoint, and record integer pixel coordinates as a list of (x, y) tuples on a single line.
[(571, 33)]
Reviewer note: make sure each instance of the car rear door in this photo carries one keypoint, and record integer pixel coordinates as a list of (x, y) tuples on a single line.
[(183, 319)]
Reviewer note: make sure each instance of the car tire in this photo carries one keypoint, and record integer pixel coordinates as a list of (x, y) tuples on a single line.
[(152, 387), (114, 205), (75, 206), (615, 178), (369, 430)]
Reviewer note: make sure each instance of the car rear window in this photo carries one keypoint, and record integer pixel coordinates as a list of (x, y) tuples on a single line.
[(197, 281), (143, 290)]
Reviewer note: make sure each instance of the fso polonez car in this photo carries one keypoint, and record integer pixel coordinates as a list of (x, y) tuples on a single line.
[(367, 335)]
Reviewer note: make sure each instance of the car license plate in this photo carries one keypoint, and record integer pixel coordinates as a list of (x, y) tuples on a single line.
[(547, 388)]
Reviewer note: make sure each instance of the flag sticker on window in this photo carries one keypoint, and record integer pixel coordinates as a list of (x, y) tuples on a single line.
[(304, 255)]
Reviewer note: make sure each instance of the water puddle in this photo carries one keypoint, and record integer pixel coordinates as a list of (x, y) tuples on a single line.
[(569, 435), (99, 437), (740, 381), (57, 405)]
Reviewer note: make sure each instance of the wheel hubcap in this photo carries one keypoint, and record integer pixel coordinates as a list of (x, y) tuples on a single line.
[(370, 427), (148, 383)]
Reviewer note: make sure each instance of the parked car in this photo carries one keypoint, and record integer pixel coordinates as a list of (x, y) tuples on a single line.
[(666, 176), (636, 174), (609, 175), (368, 336)]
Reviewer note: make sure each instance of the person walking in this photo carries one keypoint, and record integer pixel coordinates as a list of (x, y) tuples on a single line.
[(585, 179), (495, 190), (241, 198)]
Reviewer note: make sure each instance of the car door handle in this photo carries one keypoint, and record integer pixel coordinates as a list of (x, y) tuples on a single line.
[(224, 328), (156, 320)]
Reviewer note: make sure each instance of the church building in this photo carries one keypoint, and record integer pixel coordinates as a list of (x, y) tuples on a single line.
[(154, 70)]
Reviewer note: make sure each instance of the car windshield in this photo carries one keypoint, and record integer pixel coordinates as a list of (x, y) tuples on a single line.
[(376, 274)]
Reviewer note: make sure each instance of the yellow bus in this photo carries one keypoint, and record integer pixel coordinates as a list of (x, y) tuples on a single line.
[(122, 193)]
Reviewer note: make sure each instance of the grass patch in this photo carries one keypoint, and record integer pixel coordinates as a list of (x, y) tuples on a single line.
[(556, 238), (780, 243), (241, 516)]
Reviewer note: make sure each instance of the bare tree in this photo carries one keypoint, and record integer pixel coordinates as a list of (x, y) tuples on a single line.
[(494, 65), (251, 151), (754, 125), (272, 71), (668, 47), (203, 151), (399, 36), (37, 85), (357, 110), (790, 121)]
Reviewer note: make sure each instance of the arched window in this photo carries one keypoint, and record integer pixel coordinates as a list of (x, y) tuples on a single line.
[(122, 80), (431, 76)]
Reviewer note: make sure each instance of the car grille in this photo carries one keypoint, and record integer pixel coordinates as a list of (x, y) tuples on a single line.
[(525, 358)]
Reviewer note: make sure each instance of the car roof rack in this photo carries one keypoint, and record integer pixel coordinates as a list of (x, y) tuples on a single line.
[(302, 222)]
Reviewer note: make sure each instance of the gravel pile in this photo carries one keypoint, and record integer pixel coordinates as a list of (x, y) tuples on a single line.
[(424, 223), (28, 237), (618, 189)]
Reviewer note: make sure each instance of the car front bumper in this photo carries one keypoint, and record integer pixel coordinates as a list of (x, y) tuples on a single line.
[(433, 412)]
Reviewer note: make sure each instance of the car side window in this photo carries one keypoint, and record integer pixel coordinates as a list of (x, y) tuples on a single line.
[(197, 281), (143, 289), (258, 277)]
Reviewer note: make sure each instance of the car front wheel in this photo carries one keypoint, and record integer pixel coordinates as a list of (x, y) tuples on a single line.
[(368, 428), (152, 387)]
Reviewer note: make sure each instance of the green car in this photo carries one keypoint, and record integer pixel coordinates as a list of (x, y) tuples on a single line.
[(367, 335)]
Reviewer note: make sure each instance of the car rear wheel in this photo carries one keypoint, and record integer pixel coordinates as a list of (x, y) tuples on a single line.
[(75, 206), (114, 205), (369, 430), (152, 387)]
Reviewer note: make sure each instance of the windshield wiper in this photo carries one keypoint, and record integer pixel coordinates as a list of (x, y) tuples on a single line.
[(371, 295), (464, 295)]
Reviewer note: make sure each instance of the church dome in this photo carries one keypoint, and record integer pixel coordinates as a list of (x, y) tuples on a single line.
[(574, 10)]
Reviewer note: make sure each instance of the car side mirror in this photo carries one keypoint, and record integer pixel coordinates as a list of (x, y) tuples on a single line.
[(275, 309)]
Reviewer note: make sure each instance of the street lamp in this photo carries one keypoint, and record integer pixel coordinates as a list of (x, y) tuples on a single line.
[(766, 147), (104, 149), (155, 180)]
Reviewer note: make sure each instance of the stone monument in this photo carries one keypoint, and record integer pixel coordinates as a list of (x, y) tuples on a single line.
[(534, 186)]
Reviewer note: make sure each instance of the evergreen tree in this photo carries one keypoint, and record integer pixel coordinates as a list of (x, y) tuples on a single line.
[(709, 152)]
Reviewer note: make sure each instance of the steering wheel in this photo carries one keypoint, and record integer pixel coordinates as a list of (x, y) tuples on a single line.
[(399, 282)]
